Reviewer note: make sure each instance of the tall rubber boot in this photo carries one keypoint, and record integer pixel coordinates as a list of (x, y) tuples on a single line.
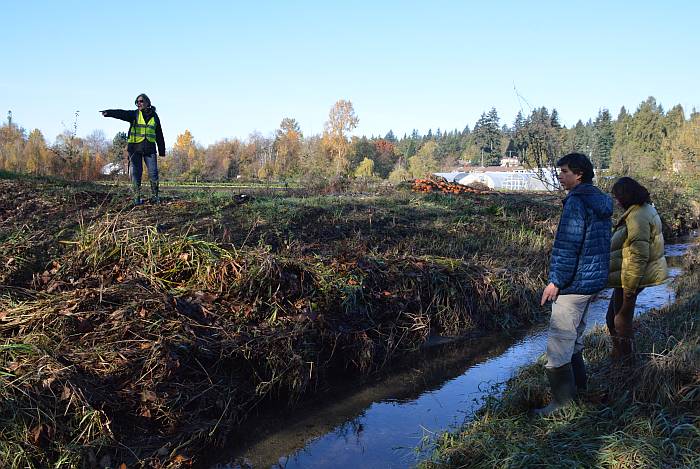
[(579, 368), (136, 191), (561, 381), (154, 193)]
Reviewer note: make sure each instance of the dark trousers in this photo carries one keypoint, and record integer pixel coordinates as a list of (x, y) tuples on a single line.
[(620, 324), (136, 161)]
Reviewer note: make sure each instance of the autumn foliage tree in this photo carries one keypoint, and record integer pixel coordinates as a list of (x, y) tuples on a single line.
[(386, 157), (36, 154), (186, 159), (648, 142), (287, 149), (365, 170), (341, 121), (222, 160), (424, 162), (12, 140)]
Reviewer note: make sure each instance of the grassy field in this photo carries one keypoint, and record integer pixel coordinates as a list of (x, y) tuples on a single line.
[(644, 416), (145, 335)]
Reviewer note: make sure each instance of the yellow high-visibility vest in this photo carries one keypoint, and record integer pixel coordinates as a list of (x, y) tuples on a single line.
[(141, 130)]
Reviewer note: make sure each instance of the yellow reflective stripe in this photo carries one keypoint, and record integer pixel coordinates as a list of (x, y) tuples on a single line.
[(151, 130), (140, 130)]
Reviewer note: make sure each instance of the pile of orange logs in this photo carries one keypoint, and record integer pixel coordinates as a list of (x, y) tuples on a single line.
[(440, 185)]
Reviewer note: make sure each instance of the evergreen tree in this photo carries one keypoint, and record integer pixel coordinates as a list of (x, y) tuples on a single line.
[(581, 141), (544, 142), (647, 133), (487, 136), (412, 148), (554, 119), (623, 151), (675, 118), (603, 139), (520, 135), (117, 152)]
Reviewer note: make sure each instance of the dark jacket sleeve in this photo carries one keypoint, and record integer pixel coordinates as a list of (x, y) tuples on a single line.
[(121, 114), (160, 141), (568, 243)]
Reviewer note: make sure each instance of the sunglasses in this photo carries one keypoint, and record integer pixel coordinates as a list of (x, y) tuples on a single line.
[(140, 101)]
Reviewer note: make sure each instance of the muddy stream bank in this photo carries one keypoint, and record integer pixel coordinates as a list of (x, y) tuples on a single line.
[(381, 423)]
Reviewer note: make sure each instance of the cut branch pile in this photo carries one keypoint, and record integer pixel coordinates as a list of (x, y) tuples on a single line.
[(435, 184)]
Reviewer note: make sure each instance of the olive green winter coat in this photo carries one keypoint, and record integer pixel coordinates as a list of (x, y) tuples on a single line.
[(637, 250)]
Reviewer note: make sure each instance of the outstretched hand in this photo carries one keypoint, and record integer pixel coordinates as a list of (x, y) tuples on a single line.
[(104, 113), (550, 293)]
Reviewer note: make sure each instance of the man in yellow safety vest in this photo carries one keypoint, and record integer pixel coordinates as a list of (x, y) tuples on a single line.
[(145, 133)]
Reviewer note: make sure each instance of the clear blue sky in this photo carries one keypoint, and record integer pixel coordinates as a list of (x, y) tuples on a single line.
[(225, 69)]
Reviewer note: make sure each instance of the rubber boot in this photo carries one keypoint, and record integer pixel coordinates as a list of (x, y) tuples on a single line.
[(579, 368), (136, 191), (155, 199), (561, 381)]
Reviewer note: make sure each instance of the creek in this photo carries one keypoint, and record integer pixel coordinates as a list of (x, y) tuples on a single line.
[(391, 420)]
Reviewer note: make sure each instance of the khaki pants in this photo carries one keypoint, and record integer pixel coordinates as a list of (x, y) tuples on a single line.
[(566, 327)]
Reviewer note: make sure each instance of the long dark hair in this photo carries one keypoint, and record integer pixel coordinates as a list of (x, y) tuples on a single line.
[(629, 192), (145, 98)]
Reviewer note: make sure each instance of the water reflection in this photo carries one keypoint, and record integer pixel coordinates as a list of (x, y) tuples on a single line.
[(382, 424)]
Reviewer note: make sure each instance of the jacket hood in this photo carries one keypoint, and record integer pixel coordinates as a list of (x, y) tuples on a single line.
[(149, 111), (594, 199)]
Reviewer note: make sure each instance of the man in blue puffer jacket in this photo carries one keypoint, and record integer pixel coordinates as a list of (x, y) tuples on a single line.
[(578, 270)]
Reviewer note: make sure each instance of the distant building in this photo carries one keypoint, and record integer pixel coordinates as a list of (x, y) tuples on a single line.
[(503, 178), (113, 169), (510, 162), (452, 176)]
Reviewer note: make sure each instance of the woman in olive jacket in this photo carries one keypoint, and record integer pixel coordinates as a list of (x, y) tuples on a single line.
[(636, 261)]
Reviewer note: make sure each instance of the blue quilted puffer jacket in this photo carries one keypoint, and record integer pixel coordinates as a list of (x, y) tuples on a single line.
[(581, 253)]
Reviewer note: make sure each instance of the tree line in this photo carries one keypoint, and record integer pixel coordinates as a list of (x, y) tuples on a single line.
[(647, 142)]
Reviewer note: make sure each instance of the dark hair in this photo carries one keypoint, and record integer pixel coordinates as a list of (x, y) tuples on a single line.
[(578, 163), (629, 192), (145, 98)]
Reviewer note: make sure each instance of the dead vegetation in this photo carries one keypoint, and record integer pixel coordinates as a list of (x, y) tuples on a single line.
[(143, 336)]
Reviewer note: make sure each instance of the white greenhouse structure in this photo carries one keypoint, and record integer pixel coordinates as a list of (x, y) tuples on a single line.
[(517, 180)]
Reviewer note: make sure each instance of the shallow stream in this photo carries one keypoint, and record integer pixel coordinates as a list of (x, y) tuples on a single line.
[(380, 424)]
